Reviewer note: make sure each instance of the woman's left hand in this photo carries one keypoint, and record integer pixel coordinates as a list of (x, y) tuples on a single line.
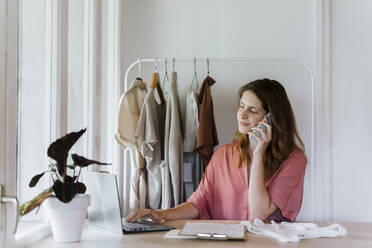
[(263, 140)]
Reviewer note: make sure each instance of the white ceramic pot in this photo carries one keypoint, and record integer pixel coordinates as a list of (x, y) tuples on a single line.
[(67, 219)]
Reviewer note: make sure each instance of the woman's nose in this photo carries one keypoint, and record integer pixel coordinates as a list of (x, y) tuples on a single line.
[(243, 115)]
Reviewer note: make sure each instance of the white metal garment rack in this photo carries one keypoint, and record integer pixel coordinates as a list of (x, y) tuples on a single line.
[(269, 59)]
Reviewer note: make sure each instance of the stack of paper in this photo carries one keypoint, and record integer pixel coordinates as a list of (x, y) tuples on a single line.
[(211, 231)]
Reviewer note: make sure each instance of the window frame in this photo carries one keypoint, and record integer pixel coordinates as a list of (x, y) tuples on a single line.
[(8, 111), (56, 78), (56, 81), (56, 97)]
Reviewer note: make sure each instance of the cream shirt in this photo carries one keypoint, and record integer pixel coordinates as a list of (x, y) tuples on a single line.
[(150, 137), (191, 122), (192, 165)]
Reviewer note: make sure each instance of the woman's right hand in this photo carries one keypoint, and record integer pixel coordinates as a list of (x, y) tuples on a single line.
[(156, 215)]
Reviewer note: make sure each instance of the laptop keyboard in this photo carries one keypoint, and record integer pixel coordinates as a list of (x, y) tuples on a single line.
[(143, 226)]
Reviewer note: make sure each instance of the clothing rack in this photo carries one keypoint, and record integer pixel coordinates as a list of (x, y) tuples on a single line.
[(268, 59), (182, 60)]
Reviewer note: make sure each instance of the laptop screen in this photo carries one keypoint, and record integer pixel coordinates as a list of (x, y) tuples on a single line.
[(104, 211)]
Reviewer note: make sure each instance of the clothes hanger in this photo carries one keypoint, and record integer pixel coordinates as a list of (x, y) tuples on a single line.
[(155, 83), (166, 78), (195, 78), (155, 75), (156, 65), (139, 70), (208, 67)]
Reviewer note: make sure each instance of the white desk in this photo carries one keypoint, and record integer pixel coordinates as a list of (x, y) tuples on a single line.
[(359, 235)]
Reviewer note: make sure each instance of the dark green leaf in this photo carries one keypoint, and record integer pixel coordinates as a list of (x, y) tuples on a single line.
[(61, 167), (59, 149), (71, 166), (65, 192), (80, 188), (36, 179), (69, 179), (83, 162)]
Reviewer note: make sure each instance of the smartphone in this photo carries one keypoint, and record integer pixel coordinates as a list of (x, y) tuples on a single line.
[(252, 138)]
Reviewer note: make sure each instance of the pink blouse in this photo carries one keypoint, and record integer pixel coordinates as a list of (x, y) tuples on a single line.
[(223, 192)]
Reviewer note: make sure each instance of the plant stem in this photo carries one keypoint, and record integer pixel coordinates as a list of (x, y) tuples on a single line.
[(56, 175), (79, 174)]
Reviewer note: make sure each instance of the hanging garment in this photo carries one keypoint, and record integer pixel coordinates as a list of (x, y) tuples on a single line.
[(207, 132), (193, 172), (173, 150), (192, 165), (191, 122), (129, 111), (150, 137)]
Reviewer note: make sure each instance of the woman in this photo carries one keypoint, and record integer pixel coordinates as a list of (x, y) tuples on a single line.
[(247, 181)]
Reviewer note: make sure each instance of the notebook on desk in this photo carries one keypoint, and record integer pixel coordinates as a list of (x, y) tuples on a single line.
[(105, 211), (216, 231)]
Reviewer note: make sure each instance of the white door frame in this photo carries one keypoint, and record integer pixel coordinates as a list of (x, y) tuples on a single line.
[(8, 112)]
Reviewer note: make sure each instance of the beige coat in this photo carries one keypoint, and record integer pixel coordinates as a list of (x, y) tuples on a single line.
[(129, 111)]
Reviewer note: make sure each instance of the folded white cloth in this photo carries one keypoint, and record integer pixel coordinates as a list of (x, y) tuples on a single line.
[(293, 231)]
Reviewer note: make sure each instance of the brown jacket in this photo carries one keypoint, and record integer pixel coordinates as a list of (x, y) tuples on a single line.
[(207, 132)]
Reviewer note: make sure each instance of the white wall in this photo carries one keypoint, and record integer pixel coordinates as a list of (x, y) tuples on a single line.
[(290, 28), (351, 121)]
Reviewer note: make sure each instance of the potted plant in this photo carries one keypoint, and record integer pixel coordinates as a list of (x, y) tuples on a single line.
[(65, 200)]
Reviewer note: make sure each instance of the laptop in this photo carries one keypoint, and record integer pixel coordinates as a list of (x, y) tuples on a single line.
[(104, 210)]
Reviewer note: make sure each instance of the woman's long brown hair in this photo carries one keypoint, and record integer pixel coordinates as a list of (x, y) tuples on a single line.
[(285, 137)]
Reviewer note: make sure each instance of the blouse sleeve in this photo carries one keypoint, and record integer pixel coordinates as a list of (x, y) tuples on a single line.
[(126, 123), (202, 197), (286, 188)]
